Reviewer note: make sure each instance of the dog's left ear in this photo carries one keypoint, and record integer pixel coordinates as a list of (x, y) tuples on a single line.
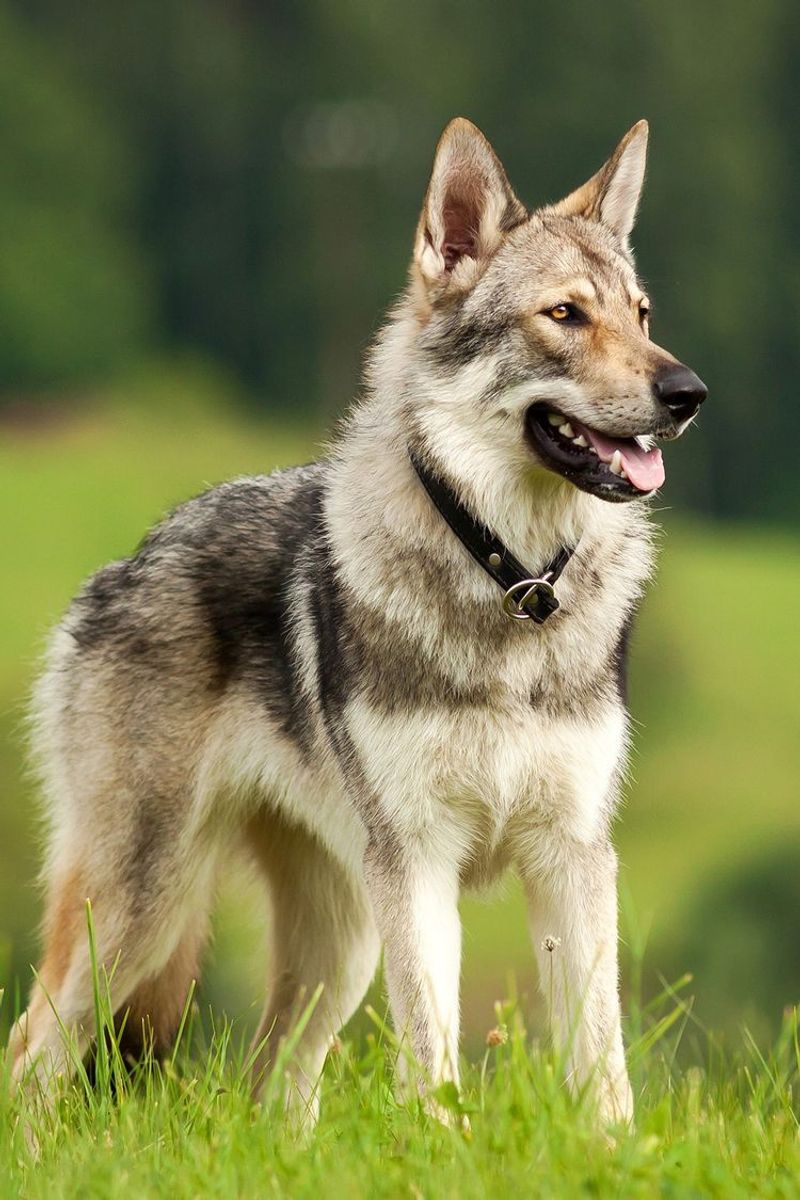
[(612, 195), (468, 207)]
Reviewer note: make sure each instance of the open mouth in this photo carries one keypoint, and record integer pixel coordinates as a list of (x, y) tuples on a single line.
[(612, 468)]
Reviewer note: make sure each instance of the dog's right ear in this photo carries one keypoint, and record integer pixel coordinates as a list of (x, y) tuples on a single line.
[(468, 208)]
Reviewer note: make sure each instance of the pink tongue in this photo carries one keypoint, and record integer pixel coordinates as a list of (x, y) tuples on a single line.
[(644, 468)]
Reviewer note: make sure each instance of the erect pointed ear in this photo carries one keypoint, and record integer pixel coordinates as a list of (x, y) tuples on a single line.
[(468, 207), (612, 195)]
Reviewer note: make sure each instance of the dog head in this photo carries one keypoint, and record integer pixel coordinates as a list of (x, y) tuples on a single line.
[(534, 326)]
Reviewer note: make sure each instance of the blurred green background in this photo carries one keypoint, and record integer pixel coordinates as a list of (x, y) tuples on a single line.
[(205, 208)]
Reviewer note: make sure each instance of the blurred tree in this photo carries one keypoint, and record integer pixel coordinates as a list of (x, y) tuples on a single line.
[(74, 294), (281, 154)]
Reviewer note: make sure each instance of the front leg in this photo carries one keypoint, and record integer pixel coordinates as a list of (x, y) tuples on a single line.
[(414, 892), (572, 898)]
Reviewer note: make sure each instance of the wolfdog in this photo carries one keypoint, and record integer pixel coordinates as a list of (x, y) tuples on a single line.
[(388, 675)]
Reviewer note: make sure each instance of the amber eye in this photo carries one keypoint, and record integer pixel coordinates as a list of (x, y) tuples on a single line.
[(566, 314)]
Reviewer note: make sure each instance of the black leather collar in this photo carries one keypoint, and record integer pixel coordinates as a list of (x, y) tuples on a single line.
[(526, 596)]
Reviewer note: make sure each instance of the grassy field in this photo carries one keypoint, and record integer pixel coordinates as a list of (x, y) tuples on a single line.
[(712, 801), (729, 1129)]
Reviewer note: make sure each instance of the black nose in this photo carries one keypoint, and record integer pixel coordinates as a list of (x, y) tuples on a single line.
[(680, 390)]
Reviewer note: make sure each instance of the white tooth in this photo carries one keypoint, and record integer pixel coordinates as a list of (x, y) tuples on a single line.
[(555, 418), (580, 440), (567, 430), (592, 450), (616, 463)]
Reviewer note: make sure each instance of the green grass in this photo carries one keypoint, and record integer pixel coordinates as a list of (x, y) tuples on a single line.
[(189, 1128)]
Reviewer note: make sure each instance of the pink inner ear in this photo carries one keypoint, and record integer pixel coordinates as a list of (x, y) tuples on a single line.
[(462, 218), (454, 251)]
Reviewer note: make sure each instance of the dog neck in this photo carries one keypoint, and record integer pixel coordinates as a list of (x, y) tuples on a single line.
[(481, 453)]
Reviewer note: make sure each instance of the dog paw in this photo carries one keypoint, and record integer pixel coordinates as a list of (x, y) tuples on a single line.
[(615, 1108)]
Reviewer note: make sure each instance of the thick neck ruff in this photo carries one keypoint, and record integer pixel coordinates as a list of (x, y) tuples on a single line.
[(526, 595)]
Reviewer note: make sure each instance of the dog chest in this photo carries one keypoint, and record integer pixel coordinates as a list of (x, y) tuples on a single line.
[(476, 769)]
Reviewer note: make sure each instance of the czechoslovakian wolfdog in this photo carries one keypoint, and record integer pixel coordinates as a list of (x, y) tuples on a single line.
[(336, 667)]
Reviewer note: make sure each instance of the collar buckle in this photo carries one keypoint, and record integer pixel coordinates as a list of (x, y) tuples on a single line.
[(525, 597), (536, 602)]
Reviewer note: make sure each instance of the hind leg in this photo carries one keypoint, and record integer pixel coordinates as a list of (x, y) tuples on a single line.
[(152, 1015), (141, 933), (323, 933), (36, 1033)]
